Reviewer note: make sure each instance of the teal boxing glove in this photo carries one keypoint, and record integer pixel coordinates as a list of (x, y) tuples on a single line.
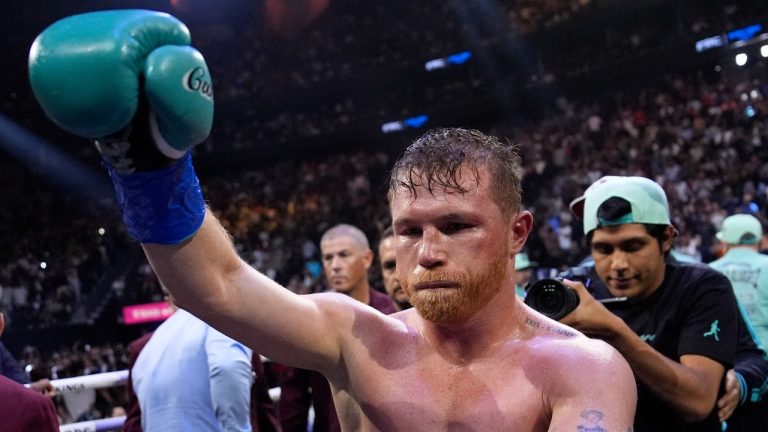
[(181, 115), (128, 80), (87, 73)]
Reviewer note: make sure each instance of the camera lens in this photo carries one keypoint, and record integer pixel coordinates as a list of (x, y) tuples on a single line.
[(552, 298)]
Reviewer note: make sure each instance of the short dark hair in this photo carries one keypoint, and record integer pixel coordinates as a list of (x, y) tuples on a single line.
[(615, 208), (434, 160)]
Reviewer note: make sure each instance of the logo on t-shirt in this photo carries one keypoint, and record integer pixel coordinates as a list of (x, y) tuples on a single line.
[(714, 330)]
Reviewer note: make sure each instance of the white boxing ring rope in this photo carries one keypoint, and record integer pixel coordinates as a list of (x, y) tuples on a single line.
[(95, 425), (103, 380), (95, 381)]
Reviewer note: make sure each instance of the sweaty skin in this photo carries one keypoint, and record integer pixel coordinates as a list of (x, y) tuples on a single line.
[(498, 367)]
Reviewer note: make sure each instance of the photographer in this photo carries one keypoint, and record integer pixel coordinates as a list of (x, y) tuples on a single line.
[(678, 325)]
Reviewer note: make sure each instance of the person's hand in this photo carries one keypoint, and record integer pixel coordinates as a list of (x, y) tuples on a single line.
[(590, 317), (44, 386), (730, 399)]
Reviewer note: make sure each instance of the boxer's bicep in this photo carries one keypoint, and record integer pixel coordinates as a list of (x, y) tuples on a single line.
[(303, 331)]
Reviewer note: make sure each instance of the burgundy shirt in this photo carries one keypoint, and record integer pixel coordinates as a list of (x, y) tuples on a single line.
[(132, 410), (295, 385), (22, 409)]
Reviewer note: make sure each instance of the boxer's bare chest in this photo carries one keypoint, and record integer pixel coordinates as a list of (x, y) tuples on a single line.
[(431, 394)]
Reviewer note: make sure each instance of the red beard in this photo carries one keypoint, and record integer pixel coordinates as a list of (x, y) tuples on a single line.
[(456, 305)]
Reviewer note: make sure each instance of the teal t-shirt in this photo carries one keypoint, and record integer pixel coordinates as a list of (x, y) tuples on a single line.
[(747, 270)]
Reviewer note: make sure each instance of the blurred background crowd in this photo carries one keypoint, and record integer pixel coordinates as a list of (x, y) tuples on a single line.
[(303, 90)]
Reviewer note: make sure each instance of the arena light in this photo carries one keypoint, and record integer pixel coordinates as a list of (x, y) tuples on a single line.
[(741, 59), (764, 50), (744, 33), (435, 64), (56, 167), (458, 58), (417, 121), (395, 126), (709, 43), (414, 122)]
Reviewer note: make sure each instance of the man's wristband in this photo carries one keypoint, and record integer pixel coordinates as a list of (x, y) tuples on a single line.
[(164, 206)]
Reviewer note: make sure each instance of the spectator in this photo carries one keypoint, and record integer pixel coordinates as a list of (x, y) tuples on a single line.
[(741, 235), (346, 258), (22, 409), (524, 269), (679, 324), (215, 372), (746, 268), (10, 369), (388, 265)]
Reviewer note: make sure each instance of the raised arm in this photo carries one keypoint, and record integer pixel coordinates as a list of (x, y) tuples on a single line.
[(130, 81), (208, 279)]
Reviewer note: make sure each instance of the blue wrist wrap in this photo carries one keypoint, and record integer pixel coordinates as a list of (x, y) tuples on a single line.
[(164, 206)]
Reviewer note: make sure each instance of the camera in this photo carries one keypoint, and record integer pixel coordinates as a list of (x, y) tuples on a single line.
[(552, 298)]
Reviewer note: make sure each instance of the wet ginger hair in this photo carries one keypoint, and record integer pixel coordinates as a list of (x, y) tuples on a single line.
[(434, 161)]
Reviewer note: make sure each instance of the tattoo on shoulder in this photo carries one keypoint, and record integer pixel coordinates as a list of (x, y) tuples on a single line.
[(536, 324), (591, 421)]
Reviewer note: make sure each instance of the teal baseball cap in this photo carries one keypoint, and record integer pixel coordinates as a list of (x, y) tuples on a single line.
[(742, 229), (522, 262), (647, 200)]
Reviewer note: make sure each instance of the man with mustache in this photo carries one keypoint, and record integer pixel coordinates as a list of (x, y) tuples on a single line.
[(678, 327), (468, 356), (388, 265), (346, 258)]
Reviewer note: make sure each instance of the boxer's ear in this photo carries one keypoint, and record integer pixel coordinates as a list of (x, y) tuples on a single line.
[(521, 224)]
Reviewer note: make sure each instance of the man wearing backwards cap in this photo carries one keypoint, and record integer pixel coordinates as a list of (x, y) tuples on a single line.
[(677, 328)]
